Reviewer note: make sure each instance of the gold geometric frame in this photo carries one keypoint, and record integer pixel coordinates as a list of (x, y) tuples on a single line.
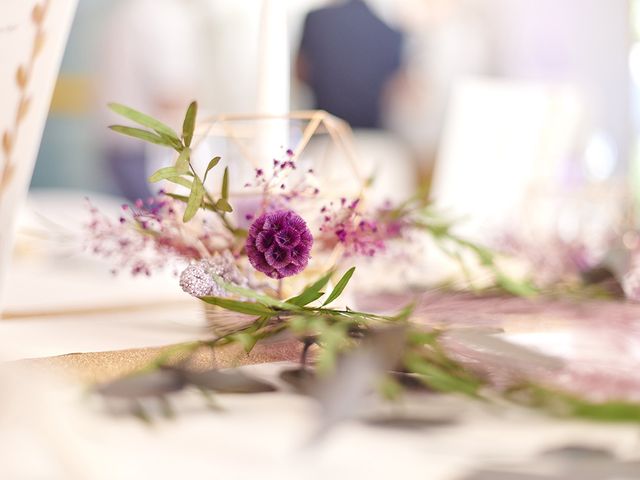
[(318, 121)]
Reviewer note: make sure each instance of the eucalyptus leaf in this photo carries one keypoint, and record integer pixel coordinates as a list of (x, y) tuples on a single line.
[(306, 297), (515, 287), (185, 182), (141, 134), (312, 292), (188, 126), (248, 308), (212, 163), (143, 119), (225, 184), (195, 200), (174, 142), (340, 286), (229, 381), (404, 314), (163, 174), (223, 205), (182, 163), (152, 384), (185, 199), (438, 379), (247, 340), (259, 297)]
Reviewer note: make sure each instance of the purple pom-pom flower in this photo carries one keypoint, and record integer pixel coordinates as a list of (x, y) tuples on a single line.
[(279, 244)]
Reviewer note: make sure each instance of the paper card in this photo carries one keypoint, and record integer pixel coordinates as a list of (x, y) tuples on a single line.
[(503, 142), (33, 34)]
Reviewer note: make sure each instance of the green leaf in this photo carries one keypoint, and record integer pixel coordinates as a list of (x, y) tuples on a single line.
[(223, 205), (195, 200), (311, 292), (306, 298), (404, 314), (163, 174), (515, 287), (299, 324), (225, 184), (140, 134), (340, 286), (245, 292), (189, 123), (247, 340), (181, 181), (182, 163), (171, 175), (437, 378), (248, 308), (212, 163), (390, 389), (419, 337), (185, 199), (174, 142), (143, 119)]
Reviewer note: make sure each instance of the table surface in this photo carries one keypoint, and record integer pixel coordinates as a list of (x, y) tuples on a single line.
[(52, 430)]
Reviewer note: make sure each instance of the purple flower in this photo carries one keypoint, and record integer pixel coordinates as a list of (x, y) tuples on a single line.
[(279, 244)]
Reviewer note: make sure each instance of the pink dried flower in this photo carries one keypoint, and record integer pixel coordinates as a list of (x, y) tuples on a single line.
[(279, 244), (282, 183), (359, 235), (149, 235)]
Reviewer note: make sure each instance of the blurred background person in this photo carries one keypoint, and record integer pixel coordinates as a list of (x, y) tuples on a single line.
[(348, 56)]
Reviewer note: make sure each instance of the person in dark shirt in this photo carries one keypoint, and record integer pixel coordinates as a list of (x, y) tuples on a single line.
[(347, 57)]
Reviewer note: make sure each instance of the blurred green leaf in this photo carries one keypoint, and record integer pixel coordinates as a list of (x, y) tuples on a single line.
[(404, 314), (515, 287), (181, 181), (174, 142), (185, 199), (171, 175), (248, 308), (390, 388), (163, 174), (306, 298), (223, 205), (225, 184), (195, 200), (212, 163), (141, 134), (189, 123), (143, 119), (565, 404), (182, 163), (260, 297), (247, 340), (340, 286), (438, 379), (312, 292)]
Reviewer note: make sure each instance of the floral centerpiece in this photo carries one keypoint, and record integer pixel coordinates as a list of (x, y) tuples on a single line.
[(250, 258)]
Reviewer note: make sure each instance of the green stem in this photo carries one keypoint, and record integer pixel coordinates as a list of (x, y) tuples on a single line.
[(221, 215)]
